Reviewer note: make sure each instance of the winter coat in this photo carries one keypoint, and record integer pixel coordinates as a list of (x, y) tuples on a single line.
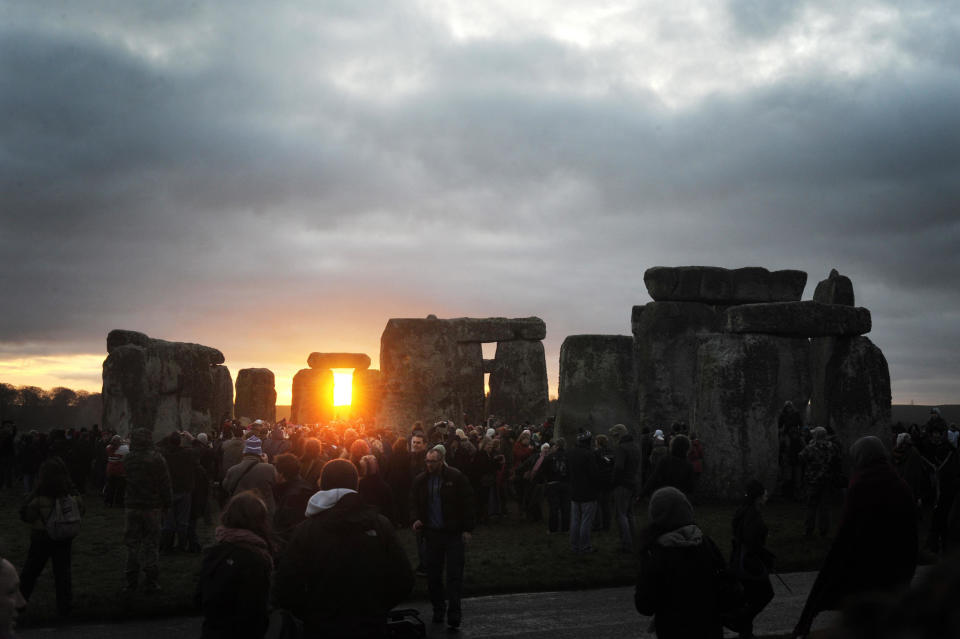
[(456, 499), (375, 492), (677, 582), (148, 480), (343, 569), (626, 463), (291, 498), (233, 592), (584, 474), (749, 558), (261, 478), (671, 471)]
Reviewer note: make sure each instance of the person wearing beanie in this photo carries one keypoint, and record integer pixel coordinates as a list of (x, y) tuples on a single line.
[(677, 580), (445, 516), (820, 466), (252, 473), (750, 560), (344, 568)]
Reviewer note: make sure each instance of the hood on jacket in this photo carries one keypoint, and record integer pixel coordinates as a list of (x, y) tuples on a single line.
[(326, 499), (683, 537)]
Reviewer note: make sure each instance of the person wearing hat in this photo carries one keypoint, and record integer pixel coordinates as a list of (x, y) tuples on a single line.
[(252, 473), (677, 581), (344, 568)]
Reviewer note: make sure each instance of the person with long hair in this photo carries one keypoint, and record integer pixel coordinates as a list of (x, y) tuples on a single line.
[(53, 483), (750, 560), (234, 585)]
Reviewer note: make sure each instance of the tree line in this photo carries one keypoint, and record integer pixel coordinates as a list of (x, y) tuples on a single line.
[(31, 407)]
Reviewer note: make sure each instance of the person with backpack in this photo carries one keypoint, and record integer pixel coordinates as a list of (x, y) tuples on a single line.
[(53, 512)]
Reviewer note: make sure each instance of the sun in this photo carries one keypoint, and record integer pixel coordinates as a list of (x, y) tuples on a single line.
[(342, 387)]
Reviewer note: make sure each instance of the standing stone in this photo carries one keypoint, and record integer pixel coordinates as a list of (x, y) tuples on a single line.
[(596, 384), (666, 339), (366, 392), (256, 395), (433, 368), (222, 395), (852, 389), (518, 382), (312, 401), (742, 383), (161, 385), (836, 289)]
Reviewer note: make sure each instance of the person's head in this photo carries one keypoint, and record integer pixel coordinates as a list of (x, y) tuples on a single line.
[(867, 451), (288, 467), (11, 599), (311, 448), (53, 479), (368, 466), (435, 458), (819, 433), (400, 447), (418, 443), (755, 493), (359, 448), (560, 443), (584, 438), (670, 509), (658, 436), (253, 446), (903, 439), (617, 432), (679, 446), (603, 442), (247, 511), (525, 437), (339, 473), (141, 439), (544, 449), (936, 434)]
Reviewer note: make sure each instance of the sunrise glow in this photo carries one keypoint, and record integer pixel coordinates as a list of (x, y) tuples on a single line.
[(342, 387)]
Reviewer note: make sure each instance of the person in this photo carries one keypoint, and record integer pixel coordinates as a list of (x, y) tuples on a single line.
[(876, 544), (626, 475), (372, 488), (672, 470), (233, 589), (658, 450), (789, 425), (945, 465), (677, 580), (183, 464), (252, 473), (291, 495), (344, 568), (750, 561), (584, 489), (818, 457), (11, 599), (605, 465), (53, 484), (231, 450), (445, 515), (115, 476), (557, 488), (148, 490), (912, 469)]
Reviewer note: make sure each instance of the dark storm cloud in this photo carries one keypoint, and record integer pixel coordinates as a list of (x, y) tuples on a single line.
[(157, 169)]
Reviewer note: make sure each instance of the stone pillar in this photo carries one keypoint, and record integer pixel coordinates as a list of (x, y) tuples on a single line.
[(256, 395), (312, 396), (518, 382), (222, 395), (596, 384)]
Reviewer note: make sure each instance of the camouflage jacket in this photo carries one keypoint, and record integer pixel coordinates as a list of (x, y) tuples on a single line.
[(818, 459), (148, 479)]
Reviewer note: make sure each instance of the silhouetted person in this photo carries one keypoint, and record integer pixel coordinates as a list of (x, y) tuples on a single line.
[(750, 560), (148, 490)]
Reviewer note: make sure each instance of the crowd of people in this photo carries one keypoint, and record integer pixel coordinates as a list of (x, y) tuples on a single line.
[(308, 514)]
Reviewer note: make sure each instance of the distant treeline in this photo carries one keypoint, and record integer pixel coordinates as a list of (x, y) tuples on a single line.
[(31, 407)]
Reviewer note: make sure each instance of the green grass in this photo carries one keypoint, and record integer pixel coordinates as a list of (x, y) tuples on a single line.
[(509, 556)]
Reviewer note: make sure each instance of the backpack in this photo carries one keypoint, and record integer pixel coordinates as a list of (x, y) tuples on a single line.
[(64, 519)]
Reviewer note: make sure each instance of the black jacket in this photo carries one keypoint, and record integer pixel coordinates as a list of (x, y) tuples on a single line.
[(342, 571), (626, 463), (584, 474), (233, 592), (456, 498)]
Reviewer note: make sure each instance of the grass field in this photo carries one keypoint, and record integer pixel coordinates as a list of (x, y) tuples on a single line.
[(509, 556)]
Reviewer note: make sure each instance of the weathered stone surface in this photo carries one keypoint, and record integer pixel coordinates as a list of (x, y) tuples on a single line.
[(665, 355), (742, 382), (358, 361), (367, 389), (222, 395), (518, 382), (798, 319), (836, 289), (596, 384), (851, 390), (158, 384), (433, 368), (256, 395), (715, 285), (312, 401)]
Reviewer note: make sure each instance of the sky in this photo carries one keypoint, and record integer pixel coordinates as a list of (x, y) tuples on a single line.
[(273, 179)]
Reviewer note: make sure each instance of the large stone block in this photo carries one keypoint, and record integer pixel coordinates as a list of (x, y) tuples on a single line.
[(798, 319), (312, 401), (433, 368), (367, 389), (836, 289), (357, 361), (518, 383), (596, 384), (256, 395), (222, 395), (742, 383), (666, 339), (715, 285), (851, 389), (160, 385)]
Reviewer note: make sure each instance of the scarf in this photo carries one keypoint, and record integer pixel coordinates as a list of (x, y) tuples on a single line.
[(246, 538)]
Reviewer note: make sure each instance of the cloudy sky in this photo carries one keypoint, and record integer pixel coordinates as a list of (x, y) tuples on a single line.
[(278, 178)]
